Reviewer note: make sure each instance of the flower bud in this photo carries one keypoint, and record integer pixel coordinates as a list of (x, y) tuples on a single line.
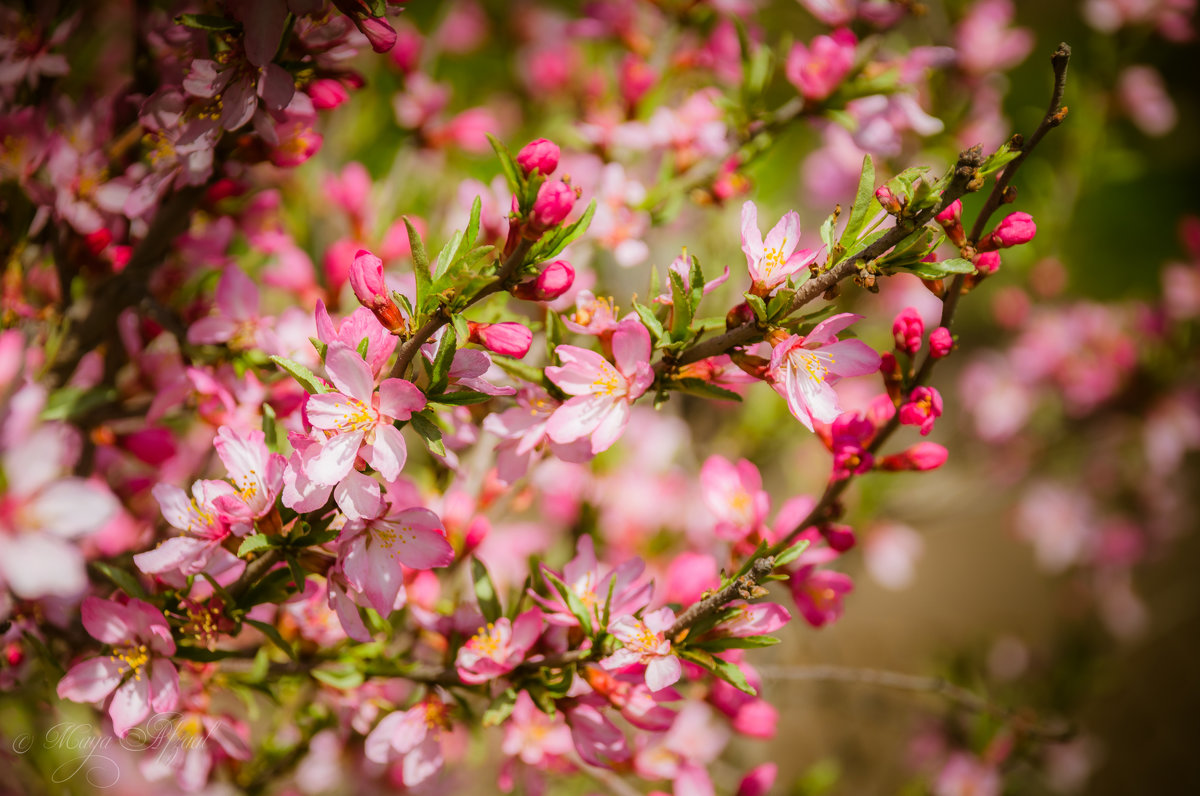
[(986, 262), (893, 377), (923, 407), (1015, 229), (739, 316), (907, 330), (552, 206), (554, 280), (541, 156), (889, 201), (940, 342), (840, 537), (370, 288), (635, 79), (950, 220), (327, 93), (759, 781), (509, 338), (377, 30), (922, 456)]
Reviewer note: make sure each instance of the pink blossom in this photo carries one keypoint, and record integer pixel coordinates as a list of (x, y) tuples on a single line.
[(237, 321), (734, 494), (682, 265), (1141, 92), (539, 155), (510, 339), (371, 290), (986, 43), (759, 780), (803, 369), (923, 407), (645, 644), (890, 555), (371, 553), (848, 439), (414, 737), (603, 392), (360, 324), (255, 471), (818, 594), (922, 456), (595, 316), (188, 748), (138, 672), (583, 576), (534, 736), (816, 70), (755, 619), (327, 93), (597, 740), (941, 342), (694, 740), (554, 280), (204, 523), (498, 647), (773, 260), (358, 419), (522, 429), (964, 774), (908, 330), (689, 576)]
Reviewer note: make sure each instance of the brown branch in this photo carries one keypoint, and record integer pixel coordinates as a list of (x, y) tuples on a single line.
[(741, 588), (1021, 721)]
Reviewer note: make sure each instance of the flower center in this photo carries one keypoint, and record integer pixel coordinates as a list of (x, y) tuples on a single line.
[(132, 659), (487, 641), (773, 258), (815, 363)]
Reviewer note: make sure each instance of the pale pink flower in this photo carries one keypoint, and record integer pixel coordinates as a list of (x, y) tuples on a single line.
[(753, 619), (773, 260), (414, 737), (595, 316), (803, 369), (890, 555), (358, 419), (138, 672), (966, 775), (237, 320), (583, 576), (522, 430), (187, 748), (682, 265), (371, 552), (534, 736), (985, 41), (498, 647), (684, 751), (352, 329), (255, 471), (205, 525), (645, 644), (734, 493), (602, 392), (817, 69)]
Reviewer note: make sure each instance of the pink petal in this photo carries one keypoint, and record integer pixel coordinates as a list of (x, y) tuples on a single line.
[(187, 554), (611, 426), (852, 358), (785, 235), (164, 686), (752, 243), (631, 346), (275, 86), (334, 458), (358, 496), (826, 329), (398, 399), (237, 295), (91, 680), (107, 621), (331, 410), (378, 745), (212, 330), (349, 373), (347, 613), (579, 371), (662, 672), (388, 452), (130, 704), (579, 417), (420, 541)]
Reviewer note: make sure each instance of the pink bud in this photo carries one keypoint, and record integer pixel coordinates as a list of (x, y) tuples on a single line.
[(406, 53), (1015, 229), (840, 537), (940, 342), (540, 155), (327, 93), (908, 329), (554, 280), (377, 30), (508, 338), (370, 288), (636, 78), (952, 213), (552, 206), (923, 407), (759, 781), (888, 200), (922, 456), (987, 262)]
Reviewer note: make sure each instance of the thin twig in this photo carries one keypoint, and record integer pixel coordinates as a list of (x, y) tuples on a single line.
[(1020, 721)]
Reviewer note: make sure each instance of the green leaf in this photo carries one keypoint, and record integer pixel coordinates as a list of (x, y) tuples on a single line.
[(428, 430), (862, 204), (757, 305), (719, 668), (207, 22), (681, 308), (462, 332), (301, 374), (485, 591), (779, 303), (519, 369), (313, 537), (296, 571), (500, 709), (473, 224), (827, 232), (252, 544), (342, 676), (998, 160), (125, 581), (273, 588), (447, 255), (791, 554), (320, 347), (270, 428), (512, 172), (555, 331), (863, 244), (704, 389), (219, 590), (201, 654), (574, 604), (564, 237), (650, 320), (420, 263), (737, 643), (439, 370), (696, 286), (70, 402), (272, 632), (955, 265), (459, 398)]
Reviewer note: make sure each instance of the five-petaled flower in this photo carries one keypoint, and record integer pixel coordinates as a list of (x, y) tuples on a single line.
[(646, 644), (773, 260)]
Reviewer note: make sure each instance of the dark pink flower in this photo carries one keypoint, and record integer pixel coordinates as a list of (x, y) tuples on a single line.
[(922, 456), (923, 407), (819, 593), (817, 69)]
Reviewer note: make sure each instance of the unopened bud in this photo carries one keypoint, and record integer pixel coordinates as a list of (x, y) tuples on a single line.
[(907, 330), (552, 206), (554, 280), (750, 364), (370, 288), (893, 377), (987, 262), (1015, 229), (840, 537), (327, 93), (922, 456), (509, 338), (950, 220), (739, 316), (941, 342), (540, 155), (888, 200)]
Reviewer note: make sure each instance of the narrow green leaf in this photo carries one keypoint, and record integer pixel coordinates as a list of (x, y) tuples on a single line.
[(270, 428), (757, 305), (473, 224), (439, 370), (555, 331), (272, 632), (779, 303), (125, 581), (827, 232), (737, 643), (574, 604), (459, 398), (512, 172), (320, 347), (681, 308), (485, 591), (342, 676), (307, 379), (500, 709), (791, 554), (297, 572), (447, 255), (462, 332), (207, 22), (704, 389), (273, 588), (564, 237), (719, 668), (201, 654), (696, 286), (862, 204), (362, 347), (219, 590), (420, 262), (428, 430), (748, 564), (941, 268), (252, 544), (519, 370), (650, 320)]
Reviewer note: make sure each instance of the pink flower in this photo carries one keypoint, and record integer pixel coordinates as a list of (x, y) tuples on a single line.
[(522, 429), (510, 339), (734, 493), (986, 43), (327, 93), (413, 736), (358, 419), (645, 644), (923, 407), (255, 471), (237, 321), (818, 594), (772, 261), (908, 330), (759, 781), (598, 741), (371, 553), (595, 316), (603, 393), (552, 206), (816, 71), (498, 647), (138, 672), (540, 156), (203, 522), (534, 736), (582, 575), (755, 619), (1141, 92), (367, 282), (682, 265), (352, 329), (803, 369), (941, 342), (922, 456), (554, 280)]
